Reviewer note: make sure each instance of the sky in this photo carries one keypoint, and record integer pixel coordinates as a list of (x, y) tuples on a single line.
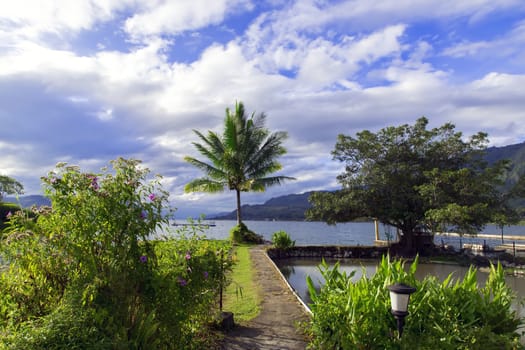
[(87, 81)]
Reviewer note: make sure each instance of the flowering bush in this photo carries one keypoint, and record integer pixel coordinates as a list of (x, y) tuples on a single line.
[(90, 272)]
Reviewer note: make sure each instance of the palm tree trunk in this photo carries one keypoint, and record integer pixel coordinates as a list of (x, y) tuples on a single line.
[(238, 207)]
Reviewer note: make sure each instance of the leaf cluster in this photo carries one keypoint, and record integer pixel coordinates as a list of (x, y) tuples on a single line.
[(282, 240), (453, 314), (415, 179), (8, 185)]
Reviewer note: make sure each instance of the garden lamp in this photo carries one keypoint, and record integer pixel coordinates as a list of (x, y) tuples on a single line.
[(399, 298)]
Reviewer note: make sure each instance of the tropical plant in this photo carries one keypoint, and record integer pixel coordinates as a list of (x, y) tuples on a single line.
[(442, 315), (241, 158), (415, 179), (282, 240)]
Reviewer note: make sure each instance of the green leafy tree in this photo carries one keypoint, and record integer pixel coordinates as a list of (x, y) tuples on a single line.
[(415, 179), (241, 159), (9, 185)]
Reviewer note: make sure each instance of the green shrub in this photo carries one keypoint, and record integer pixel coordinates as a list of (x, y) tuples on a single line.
[(442, 315), (88, 275), (6, 210), (282, 240), (241, 234)]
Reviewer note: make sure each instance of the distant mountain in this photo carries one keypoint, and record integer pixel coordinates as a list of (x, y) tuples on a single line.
[(28, 201), (516, 155), (290, 207)]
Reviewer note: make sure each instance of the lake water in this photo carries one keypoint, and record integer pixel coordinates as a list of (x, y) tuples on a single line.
[(353, 233)]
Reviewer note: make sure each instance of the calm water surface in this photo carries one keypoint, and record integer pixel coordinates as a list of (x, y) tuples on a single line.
[(354, 233)]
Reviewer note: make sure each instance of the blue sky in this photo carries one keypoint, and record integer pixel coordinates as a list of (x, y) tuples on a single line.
[(87, 81)]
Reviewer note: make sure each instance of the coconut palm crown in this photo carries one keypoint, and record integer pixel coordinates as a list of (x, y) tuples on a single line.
[(241, 159)]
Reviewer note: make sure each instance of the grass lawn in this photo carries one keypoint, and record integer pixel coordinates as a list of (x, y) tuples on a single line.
[(242, 297)]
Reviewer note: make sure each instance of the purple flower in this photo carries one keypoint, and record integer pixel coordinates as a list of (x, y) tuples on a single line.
[(9, 214), (152, 197), (143, 215), (182, 281), (143, 259), (205, 273), (94, 182), (187, 256)]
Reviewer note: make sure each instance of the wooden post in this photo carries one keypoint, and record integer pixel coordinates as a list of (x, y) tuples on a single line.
[(376, 225)]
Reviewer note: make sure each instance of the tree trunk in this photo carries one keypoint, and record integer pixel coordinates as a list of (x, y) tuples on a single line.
[(238, 192), (412, 243)]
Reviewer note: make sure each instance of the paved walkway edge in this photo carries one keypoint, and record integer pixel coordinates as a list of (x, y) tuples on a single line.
[(294, 292)]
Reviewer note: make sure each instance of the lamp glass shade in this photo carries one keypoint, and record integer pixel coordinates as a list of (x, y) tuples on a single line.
[(399, 301)]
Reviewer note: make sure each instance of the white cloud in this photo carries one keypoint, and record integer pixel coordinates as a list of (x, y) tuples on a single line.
[(32, 19), (173, 17), (510, 44)]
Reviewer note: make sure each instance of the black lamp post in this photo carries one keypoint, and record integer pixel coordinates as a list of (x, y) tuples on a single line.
[(399, 298)]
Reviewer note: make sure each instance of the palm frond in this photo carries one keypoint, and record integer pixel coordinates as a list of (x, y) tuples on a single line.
[(213, 172), (204, 185)]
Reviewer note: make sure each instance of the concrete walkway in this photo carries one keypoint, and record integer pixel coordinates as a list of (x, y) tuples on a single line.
[(275, 328)]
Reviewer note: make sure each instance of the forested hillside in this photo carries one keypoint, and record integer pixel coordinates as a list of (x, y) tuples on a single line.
[(514, 153)]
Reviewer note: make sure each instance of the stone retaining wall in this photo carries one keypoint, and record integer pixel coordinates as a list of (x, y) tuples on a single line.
[(348, 252)]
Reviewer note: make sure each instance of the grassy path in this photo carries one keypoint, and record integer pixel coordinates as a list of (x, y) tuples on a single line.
[(243, 295), (275, 326)]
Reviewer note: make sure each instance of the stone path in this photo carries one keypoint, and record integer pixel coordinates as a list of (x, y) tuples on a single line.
[(275, 328)]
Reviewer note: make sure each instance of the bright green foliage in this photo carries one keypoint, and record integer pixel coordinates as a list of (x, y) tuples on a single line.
[(241, 158), (241, 234), (415, 179), (85, 274), (442, 315), (8, 185), (282, 240)]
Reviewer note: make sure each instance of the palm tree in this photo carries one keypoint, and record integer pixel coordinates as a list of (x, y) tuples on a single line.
[(241, 159)]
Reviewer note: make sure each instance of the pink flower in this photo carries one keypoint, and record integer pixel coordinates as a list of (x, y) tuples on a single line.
[(152, 197), (187, 256), (9, 214)]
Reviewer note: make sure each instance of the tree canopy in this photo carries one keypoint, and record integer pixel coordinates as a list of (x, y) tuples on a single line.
[(9, 185), (415, 179), (241, 159)]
